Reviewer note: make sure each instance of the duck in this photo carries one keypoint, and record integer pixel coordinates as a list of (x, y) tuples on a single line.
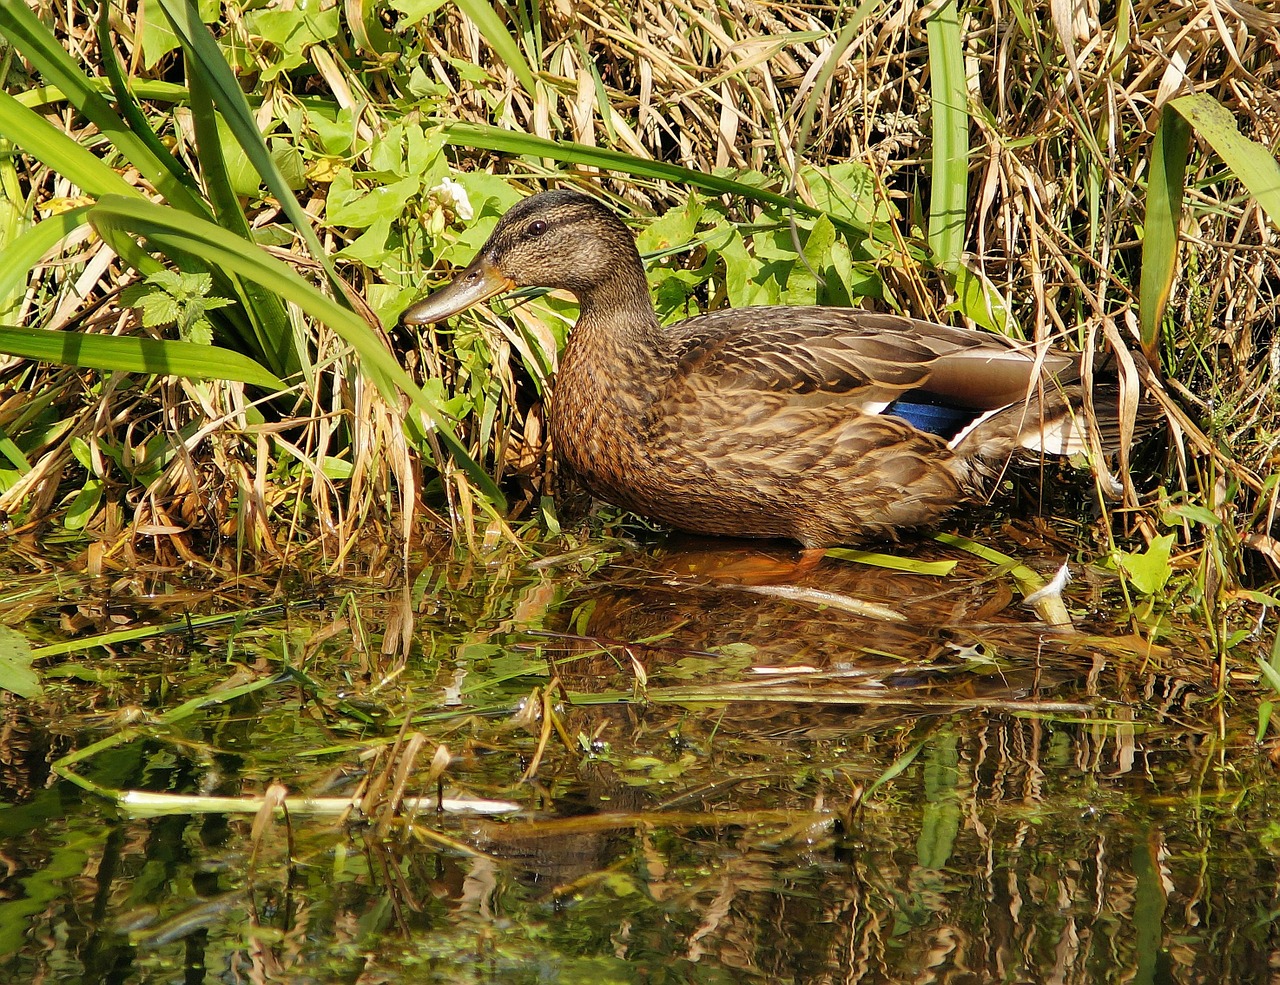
[(820, 425)]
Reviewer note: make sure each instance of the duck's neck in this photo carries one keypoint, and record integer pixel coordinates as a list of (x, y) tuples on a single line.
[(615, 316), (609, 373)]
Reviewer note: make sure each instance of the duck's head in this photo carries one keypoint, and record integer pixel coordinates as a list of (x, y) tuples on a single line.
[(558, 239)]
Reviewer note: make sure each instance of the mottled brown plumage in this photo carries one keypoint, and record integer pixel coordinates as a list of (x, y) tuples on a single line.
[(804, 423)]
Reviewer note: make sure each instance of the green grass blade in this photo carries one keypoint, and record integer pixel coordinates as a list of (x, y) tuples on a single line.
[(116, 218), (266, 328), (45, 142), (1051, 609), (1160, 230), (165, 92), (206, 58), (1253, 163), (39, 138), (949, 97), (128, 104), (836, 55), (20, 26), (893, 562), (124, 354), (511, 142), (213, 163), (19, 258), (503, 44)]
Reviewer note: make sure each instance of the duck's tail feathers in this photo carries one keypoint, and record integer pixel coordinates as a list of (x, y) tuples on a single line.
[(1053, 423)]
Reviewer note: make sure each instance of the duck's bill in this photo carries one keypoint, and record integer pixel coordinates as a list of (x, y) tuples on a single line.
[(479, 282)]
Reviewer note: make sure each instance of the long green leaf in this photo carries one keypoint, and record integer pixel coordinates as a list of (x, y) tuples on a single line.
[(510, 142), (124, 354), (267, 321), (949, 95), (117, 217), (39, 138), (45, 142), (818, 95), (1253, 163), (1050, 606), (165, 92), (127, 103), (503, 44), (20, 26), (1160, 230), (19, 257), (204, 56)]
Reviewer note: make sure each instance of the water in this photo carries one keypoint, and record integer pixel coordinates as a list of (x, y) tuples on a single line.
[(746, 774)]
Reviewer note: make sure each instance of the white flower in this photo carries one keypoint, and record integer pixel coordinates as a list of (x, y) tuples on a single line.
[(454, 197)]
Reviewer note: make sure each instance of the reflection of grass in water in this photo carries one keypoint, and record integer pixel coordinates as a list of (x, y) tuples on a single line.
[(883, 770)]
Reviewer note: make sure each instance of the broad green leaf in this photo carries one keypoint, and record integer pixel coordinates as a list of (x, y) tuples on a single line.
[(675, 228), (979, 299), (848, 189), (16, 673), (82, 453), (84, 506), (156, 35), (416, 10), (388, 154), (292, 31), (940, 822), (1253, 163), (347, 205), (1160, 228), (738, 270), (1270, 674), (819, 241), (336, 133), (241, 175), (374, 247), (1149, 570), (1195, 513)]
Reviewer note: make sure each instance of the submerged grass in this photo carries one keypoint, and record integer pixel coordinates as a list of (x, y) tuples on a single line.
[(1098, 179)]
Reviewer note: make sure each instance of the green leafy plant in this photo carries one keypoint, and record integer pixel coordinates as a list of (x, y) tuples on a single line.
[(170, 297)]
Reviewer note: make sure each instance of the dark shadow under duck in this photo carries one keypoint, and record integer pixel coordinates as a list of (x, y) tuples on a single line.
[(822, 425)]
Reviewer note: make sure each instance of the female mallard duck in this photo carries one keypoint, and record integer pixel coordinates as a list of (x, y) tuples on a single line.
[(822, 425)]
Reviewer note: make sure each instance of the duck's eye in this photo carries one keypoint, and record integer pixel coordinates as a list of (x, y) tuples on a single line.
[(536, 228)]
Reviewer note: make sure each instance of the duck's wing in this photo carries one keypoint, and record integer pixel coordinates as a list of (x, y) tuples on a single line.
[(865, 359)]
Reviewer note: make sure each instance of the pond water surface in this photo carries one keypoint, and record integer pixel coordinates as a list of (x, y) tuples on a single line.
[(675, 763)]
